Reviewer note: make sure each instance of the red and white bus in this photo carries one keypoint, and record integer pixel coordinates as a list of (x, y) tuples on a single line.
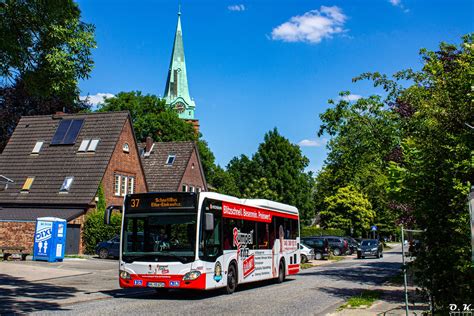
[(206, 241)]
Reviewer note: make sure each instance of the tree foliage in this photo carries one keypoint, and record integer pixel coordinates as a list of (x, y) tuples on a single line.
[(44, 52), (282, 165), (349, 210), (411, 154)]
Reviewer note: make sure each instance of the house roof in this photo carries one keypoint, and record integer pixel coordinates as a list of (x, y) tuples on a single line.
[(55, 162), (31, 214), (160, 176)]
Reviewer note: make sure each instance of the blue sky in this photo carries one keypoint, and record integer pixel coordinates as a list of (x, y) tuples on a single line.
[(253, 66)]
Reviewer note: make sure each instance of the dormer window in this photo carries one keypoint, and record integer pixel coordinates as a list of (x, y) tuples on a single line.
[(37, 148), (126, 148), (170, 160), (66, 185)]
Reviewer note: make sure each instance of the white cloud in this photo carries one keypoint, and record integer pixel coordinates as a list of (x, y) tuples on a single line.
[(313, 142), (351, 97), (398, 3), (236, 7), (312, 27), (97, 99)]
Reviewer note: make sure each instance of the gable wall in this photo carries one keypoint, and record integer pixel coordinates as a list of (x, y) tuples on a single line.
[(193, 176)]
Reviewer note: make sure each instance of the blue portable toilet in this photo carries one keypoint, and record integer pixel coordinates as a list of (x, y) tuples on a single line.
[(50, 239)]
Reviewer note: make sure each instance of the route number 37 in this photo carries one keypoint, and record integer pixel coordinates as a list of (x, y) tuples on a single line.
[(134, 202)]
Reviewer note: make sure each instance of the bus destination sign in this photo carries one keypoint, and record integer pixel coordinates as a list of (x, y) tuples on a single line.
[(164, 201)]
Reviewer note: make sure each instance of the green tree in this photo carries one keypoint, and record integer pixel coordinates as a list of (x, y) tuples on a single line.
[(244, 171), (349, 210), (45, 50), (435, 174), (224, 183), (150, 117), (259, 189)]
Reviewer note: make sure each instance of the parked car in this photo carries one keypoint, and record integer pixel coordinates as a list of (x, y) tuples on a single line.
[(307, 253), (320, 246), (370, 247), (338, 245), (109, 248), (352, 245)]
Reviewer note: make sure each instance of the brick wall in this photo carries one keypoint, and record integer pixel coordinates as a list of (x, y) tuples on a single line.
[(17, 234), (193, 174), (123, 163)]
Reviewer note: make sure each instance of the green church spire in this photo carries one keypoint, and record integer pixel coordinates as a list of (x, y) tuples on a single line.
[(177, 92)]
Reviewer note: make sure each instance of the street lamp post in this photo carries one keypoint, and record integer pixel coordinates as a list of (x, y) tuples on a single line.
[(404, 273)]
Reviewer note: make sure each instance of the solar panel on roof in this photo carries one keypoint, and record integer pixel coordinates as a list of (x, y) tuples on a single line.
[(61, 132), (72, 132), (67, 132)]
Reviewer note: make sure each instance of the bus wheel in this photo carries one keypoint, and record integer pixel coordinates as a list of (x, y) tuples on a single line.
[(231, 280), (281, 272)]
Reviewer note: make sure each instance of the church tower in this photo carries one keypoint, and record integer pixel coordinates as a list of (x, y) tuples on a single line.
[(176, 91)]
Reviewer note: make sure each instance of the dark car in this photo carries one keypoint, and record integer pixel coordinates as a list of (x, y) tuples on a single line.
[(320, 246), (370, 247), (109, 248), (338, 245), (352, 245)]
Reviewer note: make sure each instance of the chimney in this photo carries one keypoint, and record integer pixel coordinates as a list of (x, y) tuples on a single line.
[(149, 144)]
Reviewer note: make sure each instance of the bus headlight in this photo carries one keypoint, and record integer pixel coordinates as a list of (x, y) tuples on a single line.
[(124, 275), (192, 275)]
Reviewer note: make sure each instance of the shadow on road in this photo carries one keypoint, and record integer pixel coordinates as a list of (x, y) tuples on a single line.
[(369, 273), (18, 296), (180, 295)]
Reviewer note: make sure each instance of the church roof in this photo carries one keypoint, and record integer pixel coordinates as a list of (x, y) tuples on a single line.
[(176, 89)]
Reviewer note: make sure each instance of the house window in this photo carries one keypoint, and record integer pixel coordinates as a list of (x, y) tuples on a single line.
[(123, 185), (198, 189), (66, 184), (37, 148), (93, 145), (191, 189), (131, 183), (83, 146), (171, 159), (126, 148), (185, 188), (27, 185), (117, 184)]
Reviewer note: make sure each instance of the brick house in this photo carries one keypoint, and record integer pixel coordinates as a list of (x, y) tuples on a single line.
[(173, 166), (57, 163)]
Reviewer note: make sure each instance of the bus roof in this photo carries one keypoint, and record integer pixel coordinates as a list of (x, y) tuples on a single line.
[(262, 203)]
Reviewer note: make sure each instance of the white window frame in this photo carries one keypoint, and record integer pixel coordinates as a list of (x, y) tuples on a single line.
[(123, 187), (131, 185), (37, 148), (84, 145), (172, 158), (117, 179), (67, 183), (93, 145), (184, 188)]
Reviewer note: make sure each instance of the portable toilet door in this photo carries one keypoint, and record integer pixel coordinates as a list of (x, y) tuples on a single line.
[(50, 239)]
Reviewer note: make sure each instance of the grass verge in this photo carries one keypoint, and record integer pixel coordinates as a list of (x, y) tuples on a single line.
[(306, 265), (74, 256), (335, 258), (363, 300)]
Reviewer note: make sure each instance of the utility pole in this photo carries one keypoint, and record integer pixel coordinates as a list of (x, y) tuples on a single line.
[(404, 268)]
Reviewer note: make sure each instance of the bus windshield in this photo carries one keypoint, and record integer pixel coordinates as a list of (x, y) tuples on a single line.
[(159, 236)]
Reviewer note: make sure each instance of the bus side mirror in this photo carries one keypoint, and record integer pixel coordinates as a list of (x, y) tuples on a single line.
[(209, 223), (108, 213)]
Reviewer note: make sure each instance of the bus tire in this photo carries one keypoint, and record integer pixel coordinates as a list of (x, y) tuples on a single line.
[(231, 279), (281, 272)]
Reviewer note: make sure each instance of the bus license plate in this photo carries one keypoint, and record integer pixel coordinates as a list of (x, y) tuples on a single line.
[(156, 284)]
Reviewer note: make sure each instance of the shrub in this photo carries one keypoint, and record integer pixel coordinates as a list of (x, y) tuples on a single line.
[(94, 228), (318, 231)]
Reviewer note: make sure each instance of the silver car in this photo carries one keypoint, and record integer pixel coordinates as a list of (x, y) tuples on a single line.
[(306, 252)]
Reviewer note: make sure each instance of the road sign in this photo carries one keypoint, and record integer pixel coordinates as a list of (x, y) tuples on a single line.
[(373, 228)]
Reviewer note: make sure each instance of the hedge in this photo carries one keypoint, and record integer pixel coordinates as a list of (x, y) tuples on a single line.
[(318, 231)]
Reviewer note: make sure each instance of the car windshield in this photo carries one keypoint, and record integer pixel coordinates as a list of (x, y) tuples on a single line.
[(369, 243), (158, 237)]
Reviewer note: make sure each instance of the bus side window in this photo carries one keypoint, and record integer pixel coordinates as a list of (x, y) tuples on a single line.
[(294, 228), (250, 227), (228, 232), (263, 235)]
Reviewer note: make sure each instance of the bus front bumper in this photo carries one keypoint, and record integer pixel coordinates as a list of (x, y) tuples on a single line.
[(163, 281)]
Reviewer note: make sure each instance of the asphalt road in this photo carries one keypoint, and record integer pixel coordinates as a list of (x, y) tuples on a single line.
[(317, 290)]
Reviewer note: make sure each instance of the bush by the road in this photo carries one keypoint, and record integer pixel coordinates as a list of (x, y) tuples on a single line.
[(318, 231)]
